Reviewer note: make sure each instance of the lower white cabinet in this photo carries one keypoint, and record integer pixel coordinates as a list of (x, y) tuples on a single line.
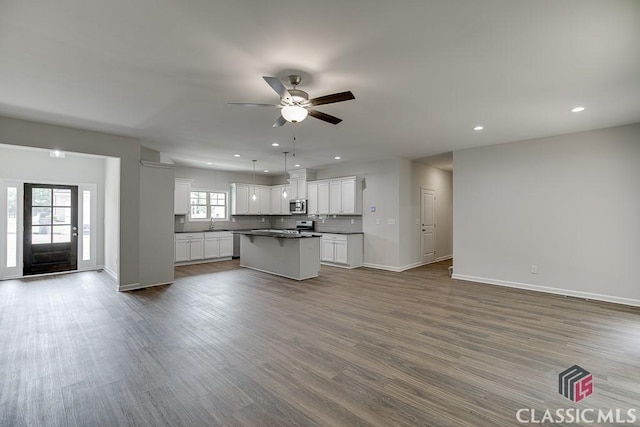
[(345, 250), (203, 246), (189, 247), (218, 244)]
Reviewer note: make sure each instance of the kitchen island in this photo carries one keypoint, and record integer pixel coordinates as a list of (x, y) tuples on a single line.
[(292, 255)]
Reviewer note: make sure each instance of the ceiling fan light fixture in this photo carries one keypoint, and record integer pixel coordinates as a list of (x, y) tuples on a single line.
[(294, 113)]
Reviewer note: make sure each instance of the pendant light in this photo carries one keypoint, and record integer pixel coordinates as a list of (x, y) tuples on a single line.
[(254, 197), (284, 189)]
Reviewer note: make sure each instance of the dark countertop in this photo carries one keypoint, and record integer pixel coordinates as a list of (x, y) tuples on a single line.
[(277, 235), (340, 232), (202, 231), (245, 230)]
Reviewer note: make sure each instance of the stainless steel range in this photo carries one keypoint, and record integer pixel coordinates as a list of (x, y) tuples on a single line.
[(305, 225)]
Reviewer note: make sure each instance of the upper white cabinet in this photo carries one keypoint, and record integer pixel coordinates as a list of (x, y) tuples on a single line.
[(340, 196), (239, 199), (182, 192), (242, 202), (279, 204), (345, 197), (298, 189)]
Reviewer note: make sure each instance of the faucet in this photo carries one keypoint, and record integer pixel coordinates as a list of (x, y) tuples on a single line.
[(213, 223)]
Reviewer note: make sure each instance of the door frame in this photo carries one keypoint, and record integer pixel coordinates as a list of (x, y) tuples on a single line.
[(96, 230), (435, 210)]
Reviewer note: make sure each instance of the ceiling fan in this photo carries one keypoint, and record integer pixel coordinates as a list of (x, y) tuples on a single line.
[(295, 103)]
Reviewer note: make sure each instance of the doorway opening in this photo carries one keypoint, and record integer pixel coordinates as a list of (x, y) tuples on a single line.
[(427, 217)]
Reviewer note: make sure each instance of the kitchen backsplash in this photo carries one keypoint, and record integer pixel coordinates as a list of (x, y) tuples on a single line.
[(339, 223)]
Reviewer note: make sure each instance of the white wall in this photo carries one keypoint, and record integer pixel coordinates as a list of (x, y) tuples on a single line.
[(416, 176), (36, 166), (156, 224), (112, 217), (569, 204), (33, 134), (381, 188)]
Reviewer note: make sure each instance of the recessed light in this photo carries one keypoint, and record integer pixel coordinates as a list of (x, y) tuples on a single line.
[(209, 163), (296, 166), (478, 128), (236, 155), (577, 109), (57, 154), (275, 144), (266, 170), (337, 157)]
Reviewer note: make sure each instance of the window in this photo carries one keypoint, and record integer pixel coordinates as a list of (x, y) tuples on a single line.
[(12, 226), (208, 204)]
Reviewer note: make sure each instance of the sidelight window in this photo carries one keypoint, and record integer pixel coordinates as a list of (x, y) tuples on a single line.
[(12, 226)]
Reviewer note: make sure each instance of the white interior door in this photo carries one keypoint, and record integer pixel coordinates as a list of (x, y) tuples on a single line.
[(428, 211)]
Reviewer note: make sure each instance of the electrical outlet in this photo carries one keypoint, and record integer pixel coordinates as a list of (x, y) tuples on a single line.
[(233, 220), (281, 219), (323, 221), (391, 221), (181, 220), (353, 221), (534, 269), (417, 221), (377, 221), (262, 219)]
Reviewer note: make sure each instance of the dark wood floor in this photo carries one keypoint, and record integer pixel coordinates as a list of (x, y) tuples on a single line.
[(230, 346)]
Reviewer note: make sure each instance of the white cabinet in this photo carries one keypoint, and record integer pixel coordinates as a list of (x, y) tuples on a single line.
[(345, 196), (264, 200), (242, 202), (344, 250), (182, 192), (298, 189), (189, 247), (239, 199), (218, 244), (262, 204), (279, 204), (182, 250), (318, 198), (203, 246)]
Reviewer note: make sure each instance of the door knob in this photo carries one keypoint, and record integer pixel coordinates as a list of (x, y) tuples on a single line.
[(75, 228), (75, 234)]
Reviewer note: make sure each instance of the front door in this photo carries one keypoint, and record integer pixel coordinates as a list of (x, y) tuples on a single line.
[(428, 214), (50, 228)]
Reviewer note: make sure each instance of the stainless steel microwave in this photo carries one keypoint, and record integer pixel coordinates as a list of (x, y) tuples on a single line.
[(298, 206)]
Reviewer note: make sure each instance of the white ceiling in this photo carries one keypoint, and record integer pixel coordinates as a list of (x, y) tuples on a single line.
[(424, 73)]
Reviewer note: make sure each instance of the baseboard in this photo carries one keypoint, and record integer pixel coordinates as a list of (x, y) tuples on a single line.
[(382, 267), (134, 286), (348, 267), (405, 267), (201, 261), (113, 275), (548, 290)]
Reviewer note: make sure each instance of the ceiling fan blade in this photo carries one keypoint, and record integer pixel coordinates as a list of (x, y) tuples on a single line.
[(278, 87), (251, 104), (280, 122), (323, 116), (330, 99)]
